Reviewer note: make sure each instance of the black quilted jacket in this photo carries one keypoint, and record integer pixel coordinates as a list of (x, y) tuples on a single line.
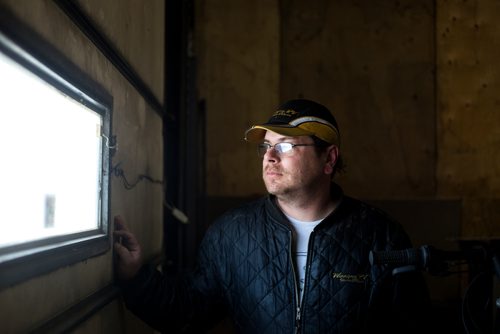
[(245, 270)]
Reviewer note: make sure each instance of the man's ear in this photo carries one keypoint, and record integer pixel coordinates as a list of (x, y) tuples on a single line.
[(332, 155)]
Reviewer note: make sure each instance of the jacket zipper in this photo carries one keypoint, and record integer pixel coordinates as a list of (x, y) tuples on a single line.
[(297, 320), (296, 287), (306, 279)]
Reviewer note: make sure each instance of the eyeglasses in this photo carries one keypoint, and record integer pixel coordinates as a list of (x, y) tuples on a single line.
[(279, 148)]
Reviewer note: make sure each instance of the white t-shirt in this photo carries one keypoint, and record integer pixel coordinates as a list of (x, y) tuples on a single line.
[(303, 230)]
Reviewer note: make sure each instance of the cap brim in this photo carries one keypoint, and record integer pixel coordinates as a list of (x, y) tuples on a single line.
[(257, 133)]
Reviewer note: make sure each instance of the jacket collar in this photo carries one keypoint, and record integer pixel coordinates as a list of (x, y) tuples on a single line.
[(277, 215)]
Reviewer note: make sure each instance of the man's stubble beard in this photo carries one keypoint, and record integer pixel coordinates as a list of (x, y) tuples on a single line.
[(278, 189)]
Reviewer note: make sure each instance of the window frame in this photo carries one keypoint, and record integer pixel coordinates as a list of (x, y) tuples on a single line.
[(31, 259)]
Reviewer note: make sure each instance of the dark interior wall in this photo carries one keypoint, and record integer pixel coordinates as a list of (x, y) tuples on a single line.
[(372, 63), (467, 85), (237, 49)]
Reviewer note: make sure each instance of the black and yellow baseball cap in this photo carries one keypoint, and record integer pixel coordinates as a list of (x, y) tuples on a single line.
[(299, 117)]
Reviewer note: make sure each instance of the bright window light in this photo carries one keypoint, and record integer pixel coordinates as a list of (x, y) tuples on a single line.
[(50, 150)]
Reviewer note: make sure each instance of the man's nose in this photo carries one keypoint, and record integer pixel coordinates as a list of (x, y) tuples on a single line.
[(271, 155)]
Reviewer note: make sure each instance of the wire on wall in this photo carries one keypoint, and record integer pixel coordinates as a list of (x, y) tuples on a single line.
[(120, 173)]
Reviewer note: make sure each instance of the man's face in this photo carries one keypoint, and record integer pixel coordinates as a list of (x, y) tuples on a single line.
[(294, 173)]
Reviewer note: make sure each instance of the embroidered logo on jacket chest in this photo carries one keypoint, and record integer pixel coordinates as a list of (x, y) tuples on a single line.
[(343, 277)]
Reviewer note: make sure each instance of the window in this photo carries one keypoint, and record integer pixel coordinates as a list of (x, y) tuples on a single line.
[(54, 130)]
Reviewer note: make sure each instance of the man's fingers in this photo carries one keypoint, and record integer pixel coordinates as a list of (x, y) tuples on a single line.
[(124, 252), (122, 234), (127, 239), (120, 250), (127, 250), (119, 223)]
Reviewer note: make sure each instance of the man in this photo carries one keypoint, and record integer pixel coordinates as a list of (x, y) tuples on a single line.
[(295, 261)]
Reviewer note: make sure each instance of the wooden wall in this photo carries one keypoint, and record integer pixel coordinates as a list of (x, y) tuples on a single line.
[(468, 105), (238, 53)]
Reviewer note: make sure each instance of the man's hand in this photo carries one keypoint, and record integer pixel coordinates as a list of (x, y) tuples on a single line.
[(128, 256)]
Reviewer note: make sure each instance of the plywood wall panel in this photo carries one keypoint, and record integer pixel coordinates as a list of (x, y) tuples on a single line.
[(371, 63), (136, 29), (468, 82), (238, 55)]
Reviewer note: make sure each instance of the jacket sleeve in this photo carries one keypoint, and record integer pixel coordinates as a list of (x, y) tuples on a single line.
[(189, 304)]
